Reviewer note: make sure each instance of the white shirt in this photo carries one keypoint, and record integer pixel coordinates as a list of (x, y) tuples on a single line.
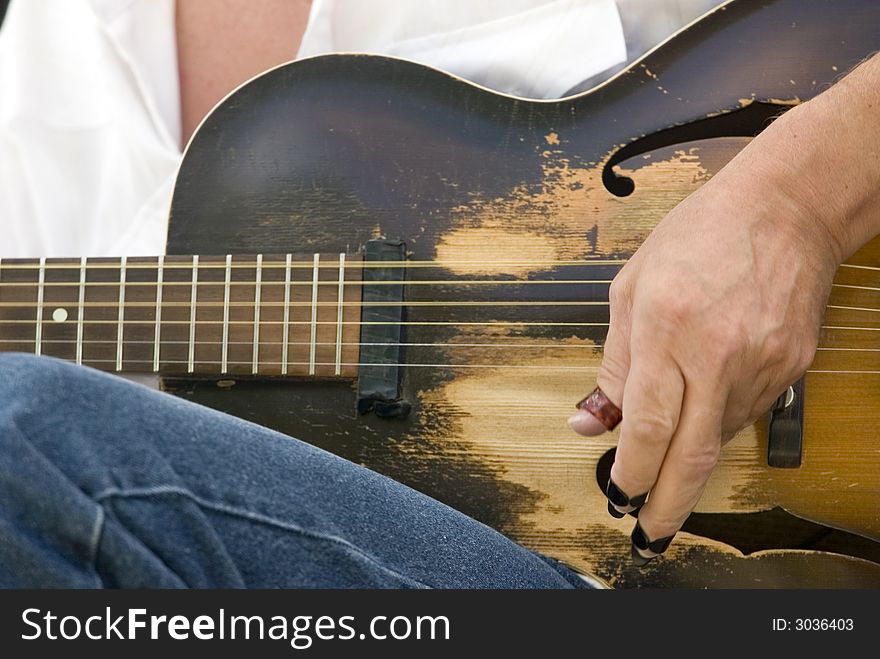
[(89, 127), (90, 107)]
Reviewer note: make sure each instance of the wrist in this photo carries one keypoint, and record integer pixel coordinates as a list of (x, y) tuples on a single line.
[(774, 196), (819, 165), (825, 165)]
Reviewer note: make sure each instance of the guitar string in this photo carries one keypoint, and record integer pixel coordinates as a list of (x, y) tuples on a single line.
[(170, 324), (186, 264), (541, 367), (332, 263), (249, 343), (250, 323), (328, 303), (354, 282), (325, 282), (334, 303), (351, 304)]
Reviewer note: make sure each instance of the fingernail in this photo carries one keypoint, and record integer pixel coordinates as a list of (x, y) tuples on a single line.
[(584, 423), (644, 550), (619, 504)]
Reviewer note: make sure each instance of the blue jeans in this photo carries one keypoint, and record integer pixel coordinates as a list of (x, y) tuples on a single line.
[(105, 483)]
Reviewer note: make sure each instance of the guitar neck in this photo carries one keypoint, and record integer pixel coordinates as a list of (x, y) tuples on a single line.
[(260, 315)]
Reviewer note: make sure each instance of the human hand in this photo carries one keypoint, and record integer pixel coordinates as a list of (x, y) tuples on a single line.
[(711, 319)]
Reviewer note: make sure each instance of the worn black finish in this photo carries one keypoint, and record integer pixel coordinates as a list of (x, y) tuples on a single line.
[(316, 155)]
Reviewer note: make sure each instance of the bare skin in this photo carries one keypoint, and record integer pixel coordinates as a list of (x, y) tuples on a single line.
[(223, 43), (719, 310)]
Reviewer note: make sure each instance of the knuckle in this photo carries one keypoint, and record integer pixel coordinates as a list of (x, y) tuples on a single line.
[(775, 347), (725, 344), (787, 354), (701, 460), (730, 337), (651, 428), (678, 310)]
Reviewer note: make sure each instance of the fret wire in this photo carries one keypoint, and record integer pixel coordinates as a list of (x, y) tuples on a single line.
[(286, 323), (83, 263), (120, 327), (225, 348), (314, 327), (255, 359), (157, 345), (38, 335), (339, 307), (192, 313)]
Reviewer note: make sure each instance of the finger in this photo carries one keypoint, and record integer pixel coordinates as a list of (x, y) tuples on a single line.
[(653, 399), (692, 454), (611, 377)]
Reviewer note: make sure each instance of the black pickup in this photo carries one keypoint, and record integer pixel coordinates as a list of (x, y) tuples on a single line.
[(381, 351)]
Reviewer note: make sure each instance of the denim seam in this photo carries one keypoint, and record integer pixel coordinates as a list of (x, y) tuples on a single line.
[(98, 525), (254, 517), (97, 531)]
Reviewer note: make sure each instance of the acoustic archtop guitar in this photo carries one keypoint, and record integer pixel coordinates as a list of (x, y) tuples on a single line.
[(412, 271)]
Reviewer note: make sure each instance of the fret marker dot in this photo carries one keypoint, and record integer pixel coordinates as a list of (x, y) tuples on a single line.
[(59, 315)]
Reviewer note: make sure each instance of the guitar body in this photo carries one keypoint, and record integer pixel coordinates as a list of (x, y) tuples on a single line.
[(488, 191)]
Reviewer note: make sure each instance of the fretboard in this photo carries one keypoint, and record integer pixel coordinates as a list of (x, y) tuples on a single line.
[(263, 315)]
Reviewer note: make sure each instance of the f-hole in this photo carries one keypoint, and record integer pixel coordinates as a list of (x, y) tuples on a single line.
[(745, 122)]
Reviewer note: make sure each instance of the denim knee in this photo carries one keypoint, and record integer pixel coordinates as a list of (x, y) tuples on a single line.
[(24, 376)]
